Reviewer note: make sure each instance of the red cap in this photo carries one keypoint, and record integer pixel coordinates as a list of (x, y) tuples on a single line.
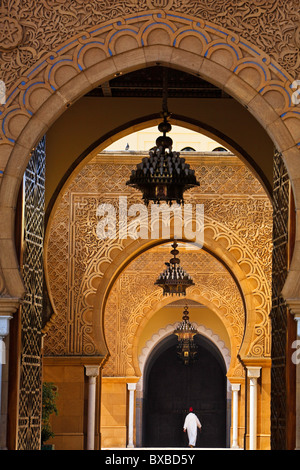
[(191, 409)]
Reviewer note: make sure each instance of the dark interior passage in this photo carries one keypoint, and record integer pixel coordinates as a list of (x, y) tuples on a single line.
[(171, 388)]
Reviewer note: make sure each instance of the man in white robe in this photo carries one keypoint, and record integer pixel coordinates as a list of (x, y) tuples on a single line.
[(191, 425)]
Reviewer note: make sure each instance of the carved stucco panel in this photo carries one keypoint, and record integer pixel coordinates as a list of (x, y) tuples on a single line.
[(65, 47), (76, 260), (140, 299), (31, 29)]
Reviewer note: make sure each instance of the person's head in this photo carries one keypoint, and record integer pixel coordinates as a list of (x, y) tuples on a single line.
[(191, 410)]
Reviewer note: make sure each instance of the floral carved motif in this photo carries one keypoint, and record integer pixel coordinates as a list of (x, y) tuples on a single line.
[(76, 40), (270, 25)]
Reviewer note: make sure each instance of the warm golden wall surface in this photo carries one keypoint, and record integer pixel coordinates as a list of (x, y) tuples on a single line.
[(69, 425)]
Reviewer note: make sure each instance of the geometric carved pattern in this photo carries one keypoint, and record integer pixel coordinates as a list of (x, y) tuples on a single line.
[(134, 295), (237, 214), (113, 31), (279, 313), (31, 309)]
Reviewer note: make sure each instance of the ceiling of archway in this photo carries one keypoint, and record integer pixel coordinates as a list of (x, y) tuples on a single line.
[(148, 83)]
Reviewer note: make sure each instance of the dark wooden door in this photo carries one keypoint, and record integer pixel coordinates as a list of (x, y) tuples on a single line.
[(171, 388)]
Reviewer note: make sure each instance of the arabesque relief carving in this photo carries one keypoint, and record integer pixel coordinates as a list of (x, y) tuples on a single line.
[(134, 297), (238, 218), (10, 33), (270, 25), (61, 51)]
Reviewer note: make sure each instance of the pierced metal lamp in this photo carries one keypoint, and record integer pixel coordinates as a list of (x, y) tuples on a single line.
[(174, 280), (187, 349), (163, 176)]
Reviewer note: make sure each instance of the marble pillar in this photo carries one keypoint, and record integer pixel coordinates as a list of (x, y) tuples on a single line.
[(131, 388), (235, 414), (253, 373), (92, 372)]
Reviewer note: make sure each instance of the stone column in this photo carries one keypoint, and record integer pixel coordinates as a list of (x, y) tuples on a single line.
[(8, 307), (253, 375), (235, 414), (4, 330), (296, 360), (294, 306), (131, 388), (138, 412), (92, 372)]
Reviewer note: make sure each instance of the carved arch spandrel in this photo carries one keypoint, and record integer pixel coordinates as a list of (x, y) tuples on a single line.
[(60, 77), (223, 48), (256, 326), (272, 25), (75, 215)]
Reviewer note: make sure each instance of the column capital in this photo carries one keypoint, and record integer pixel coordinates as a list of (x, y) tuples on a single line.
[(131, 386), (92, 370), (4, 331), (294, 306), (4, 325), (235, 387), (253, 371), (8, 306)]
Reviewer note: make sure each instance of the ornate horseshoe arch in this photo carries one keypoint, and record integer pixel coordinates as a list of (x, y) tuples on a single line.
[(168, 330), (233, 366), (120, 45), (108, 262), (249, 346), (59, 54)]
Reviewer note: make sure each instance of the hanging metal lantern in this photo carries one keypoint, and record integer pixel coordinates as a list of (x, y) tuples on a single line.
[(187, 349), (163, 176), (174, 280)]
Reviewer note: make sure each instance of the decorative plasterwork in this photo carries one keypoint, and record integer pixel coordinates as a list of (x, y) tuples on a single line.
[(130, 39), (134, 300), (71, 55), (167, 331), (40, 27), (10, 33), (238, 226)]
